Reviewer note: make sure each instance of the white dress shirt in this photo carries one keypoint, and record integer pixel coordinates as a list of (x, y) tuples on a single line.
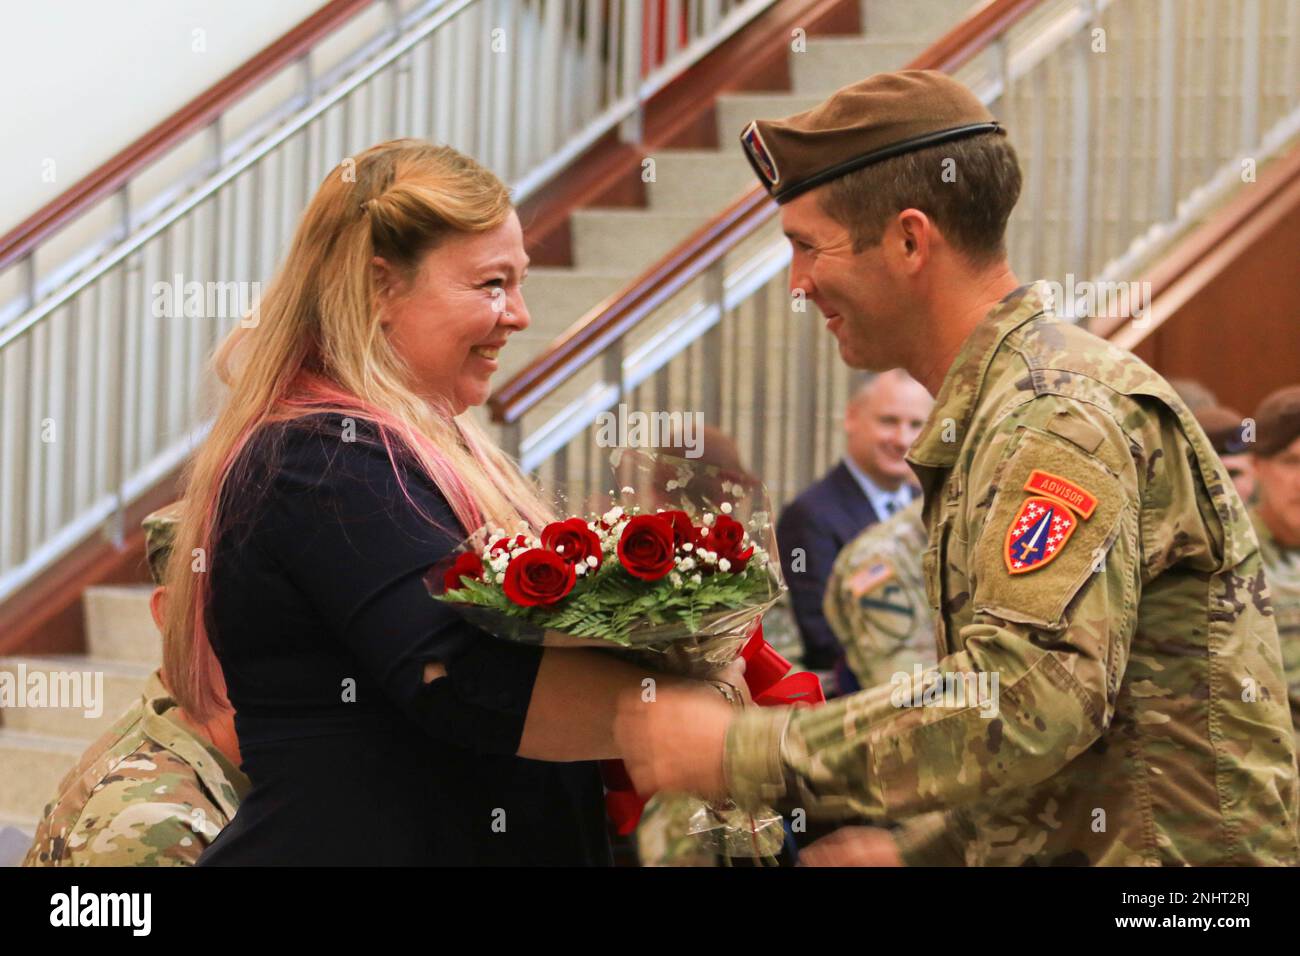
[(886, 504)]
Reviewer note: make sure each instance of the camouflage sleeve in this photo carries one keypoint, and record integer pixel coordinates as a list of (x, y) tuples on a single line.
[(1053, 644), (930, 840), (132, 822)]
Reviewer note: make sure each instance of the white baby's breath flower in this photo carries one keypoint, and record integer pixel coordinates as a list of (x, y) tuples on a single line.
[(709, 518), (628, 490), (686, 564), (676, 579), (592, 561), (698, 579), (688, 546), (613, 514), (579, 569), (725, 507), (559, 549), (709, 557), (724, 565)]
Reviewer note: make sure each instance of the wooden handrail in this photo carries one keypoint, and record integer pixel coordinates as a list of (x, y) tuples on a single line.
[(1247, 216), (583, 341), (193, 116)]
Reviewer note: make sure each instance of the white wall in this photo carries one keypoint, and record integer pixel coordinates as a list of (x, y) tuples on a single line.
[(80, 79)]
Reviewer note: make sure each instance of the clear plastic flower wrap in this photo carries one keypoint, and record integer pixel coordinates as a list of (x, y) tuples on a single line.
[(673, 567)]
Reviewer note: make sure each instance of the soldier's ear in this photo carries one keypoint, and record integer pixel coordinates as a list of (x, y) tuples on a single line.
[(913, 235), (158, 606)]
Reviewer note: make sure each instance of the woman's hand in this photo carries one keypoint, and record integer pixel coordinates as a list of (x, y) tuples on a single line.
[(730, 681)]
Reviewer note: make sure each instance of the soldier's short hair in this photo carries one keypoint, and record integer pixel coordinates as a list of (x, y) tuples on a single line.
[(969, 199), (159, 536)]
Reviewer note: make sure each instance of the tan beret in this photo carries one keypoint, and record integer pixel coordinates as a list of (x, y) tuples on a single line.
[(1223, 427), (159, 535), (1277, 421), (877, 118)]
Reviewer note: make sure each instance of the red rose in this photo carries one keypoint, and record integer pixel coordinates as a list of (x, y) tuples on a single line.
[(538, 577), (724, 536), (468, 565), (578, 541), (507, 544), (726, 539), (683, 531), (646, 547), (739, 559)]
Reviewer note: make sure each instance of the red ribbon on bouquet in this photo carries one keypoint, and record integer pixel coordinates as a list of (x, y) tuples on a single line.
[(765, 676)]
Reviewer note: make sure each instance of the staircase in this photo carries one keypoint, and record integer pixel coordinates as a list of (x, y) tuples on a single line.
[(611, 246), (38, 745)]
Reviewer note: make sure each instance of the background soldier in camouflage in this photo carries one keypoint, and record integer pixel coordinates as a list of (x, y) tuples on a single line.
[(1276, 517), (1085, 548), (153, 791), (875, 599)]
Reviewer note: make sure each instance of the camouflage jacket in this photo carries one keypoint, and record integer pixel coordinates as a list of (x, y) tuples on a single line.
[(875, 599), (1282, 570), (147, 793), (1091, 564)]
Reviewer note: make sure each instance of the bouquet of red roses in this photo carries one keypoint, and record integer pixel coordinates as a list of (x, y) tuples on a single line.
[(676, 570)]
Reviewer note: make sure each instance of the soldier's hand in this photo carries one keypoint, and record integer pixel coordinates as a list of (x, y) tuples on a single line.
[(674, 741), (853, 846)]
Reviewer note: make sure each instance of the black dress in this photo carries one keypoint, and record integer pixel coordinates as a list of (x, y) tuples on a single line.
[(322, 625)]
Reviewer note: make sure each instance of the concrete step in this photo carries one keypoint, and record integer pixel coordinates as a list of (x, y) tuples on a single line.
[(628, 240), (832, 62), (119, 626), (33, 766), (698, 179), (557, 296), (737, 110), (114, 684), (928, 18)]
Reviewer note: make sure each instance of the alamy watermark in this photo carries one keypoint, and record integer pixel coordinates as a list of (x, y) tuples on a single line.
[(207, 300), (83, 690), (625, 429), (1089, 299), (950, 689)]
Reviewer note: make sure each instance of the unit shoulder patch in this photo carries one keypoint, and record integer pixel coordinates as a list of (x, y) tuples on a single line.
[(1056, 508)]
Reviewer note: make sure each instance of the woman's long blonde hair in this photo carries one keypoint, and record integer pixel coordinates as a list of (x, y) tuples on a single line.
[(317, 346)]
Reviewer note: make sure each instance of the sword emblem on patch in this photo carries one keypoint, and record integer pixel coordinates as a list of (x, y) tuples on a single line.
[(1038, 533), (1046, 520)]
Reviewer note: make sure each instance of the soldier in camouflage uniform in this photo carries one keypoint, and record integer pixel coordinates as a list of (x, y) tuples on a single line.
[(1276, 517), (154, 790), (1085, 551), (875, 599)]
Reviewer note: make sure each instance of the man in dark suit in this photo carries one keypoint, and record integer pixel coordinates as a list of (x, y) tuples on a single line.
[(872, 482)]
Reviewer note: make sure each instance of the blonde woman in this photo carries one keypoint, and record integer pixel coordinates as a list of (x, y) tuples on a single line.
[(377, 727)]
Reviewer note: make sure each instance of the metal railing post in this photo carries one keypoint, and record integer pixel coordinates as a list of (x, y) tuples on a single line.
[(711, 350), (633, 43)]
